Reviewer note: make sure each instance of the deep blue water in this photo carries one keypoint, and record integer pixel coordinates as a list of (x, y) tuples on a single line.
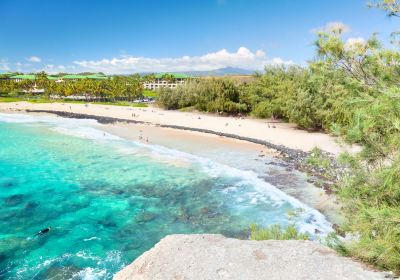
[(107, 199)]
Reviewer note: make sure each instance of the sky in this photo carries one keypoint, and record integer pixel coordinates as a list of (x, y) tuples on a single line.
[(175, 35)]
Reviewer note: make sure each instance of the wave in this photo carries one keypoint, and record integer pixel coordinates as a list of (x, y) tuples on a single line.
[(112, 259), (25, 118), (311, 220)]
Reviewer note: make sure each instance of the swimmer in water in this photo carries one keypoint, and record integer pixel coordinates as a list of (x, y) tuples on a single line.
[(43, 231)]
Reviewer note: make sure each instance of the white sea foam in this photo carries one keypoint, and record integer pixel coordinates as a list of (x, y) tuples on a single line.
[(91, 129), (16, 118), (310, 218), (91, 238), (25, 118), (82, 128), (90, 273), (86, 132)]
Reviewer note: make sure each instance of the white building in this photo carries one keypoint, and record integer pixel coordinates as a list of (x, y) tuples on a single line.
[(160, 81)]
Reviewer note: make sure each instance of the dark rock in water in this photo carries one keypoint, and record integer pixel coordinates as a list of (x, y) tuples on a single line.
[(132, 246), (8, 215), (153, 191), (213, 215), (31, 205), (107, 223), (310, 220), (119, 192), (3, 257), (338, 230), (145, 216), (128, 231), (7, 184), (14, 199), (59, 272)]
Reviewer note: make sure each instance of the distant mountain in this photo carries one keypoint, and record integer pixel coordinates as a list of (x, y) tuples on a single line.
[(227, 71)]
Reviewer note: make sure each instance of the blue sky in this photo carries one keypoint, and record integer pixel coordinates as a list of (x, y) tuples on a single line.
[(175, 35)]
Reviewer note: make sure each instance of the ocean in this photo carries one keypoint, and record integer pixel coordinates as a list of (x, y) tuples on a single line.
[(107, 199)]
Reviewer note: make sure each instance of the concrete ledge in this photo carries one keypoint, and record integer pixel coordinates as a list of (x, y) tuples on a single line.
[(212, 256)]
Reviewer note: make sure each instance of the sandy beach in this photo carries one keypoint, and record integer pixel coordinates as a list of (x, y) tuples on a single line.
[(243, 153), (273, 132)]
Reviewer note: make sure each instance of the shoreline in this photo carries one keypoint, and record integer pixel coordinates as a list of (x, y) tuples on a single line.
[(290, 159), (111, 120), (292, 145), (261, 131), (294, 158), (265, 162)]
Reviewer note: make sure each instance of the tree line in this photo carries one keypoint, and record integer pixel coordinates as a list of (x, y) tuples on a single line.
[(127, 88), (351, 88)]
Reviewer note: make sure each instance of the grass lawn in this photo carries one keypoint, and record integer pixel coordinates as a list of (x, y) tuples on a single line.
[(9, 99), (150, 93)]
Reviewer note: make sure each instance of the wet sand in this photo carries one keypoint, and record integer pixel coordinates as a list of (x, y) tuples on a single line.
[(265, 130), (237, 153)]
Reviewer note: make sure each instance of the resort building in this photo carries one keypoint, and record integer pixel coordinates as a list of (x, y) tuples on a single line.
[(75, 77), (19, 78), (160, 81), (6, 75), (57, 79)]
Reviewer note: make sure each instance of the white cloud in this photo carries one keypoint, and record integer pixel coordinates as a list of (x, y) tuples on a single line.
[(55, 69), (22, 67), (334, 26), (34, 59), (4, 65), (48, 68), (242, 58)]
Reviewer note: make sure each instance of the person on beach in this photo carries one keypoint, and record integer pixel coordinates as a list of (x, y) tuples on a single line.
[(43, 231)]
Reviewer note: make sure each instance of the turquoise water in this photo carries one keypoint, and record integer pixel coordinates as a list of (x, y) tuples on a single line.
[(107, 199)]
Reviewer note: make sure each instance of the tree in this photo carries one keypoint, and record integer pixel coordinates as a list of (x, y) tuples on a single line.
[(148, 78), (42, 81), (170, 78), (392, 8)]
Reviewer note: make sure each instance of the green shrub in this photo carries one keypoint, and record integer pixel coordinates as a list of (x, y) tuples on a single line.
[(168, 98), (262, 110), (209, 95), (275, 232)]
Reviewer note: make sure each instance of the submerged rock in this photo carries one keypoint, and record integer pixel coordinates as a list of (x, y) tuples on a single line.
[(7, 184), (212, 256), (14, 200), (145, 216), (60, 272)]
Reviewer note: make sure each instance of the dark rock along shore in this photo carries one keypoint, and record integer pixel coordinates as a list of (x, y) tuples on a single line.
[(292, 157)]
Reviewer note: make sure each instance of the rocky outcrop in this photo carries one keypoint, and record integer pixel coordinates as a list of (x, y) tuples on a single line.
[(210, 256)]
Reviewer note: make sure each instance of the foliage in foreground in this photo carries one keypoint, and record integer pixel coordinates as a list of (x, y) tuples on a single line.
[(276, 232), (372, 192), (351, 88)]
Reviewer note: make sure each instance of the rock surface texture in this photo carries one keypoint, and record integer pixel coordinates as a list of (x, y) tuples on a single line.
[(210, 256)]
